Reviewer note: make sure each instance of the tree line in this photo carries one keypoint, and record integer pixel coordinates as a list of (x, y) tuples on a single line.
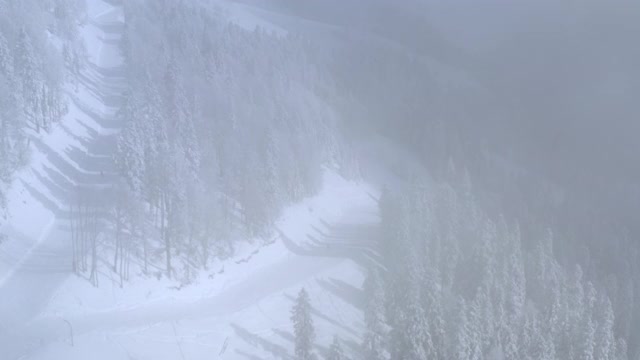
[(457, 283), (40, 52), (223, 126)]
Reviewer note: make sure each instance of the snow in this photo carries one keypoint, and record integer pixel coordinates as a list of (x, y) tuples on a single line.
[(247, 306), (237, 309), (246, 16), (37, 197), (251, 18), (76, 152)]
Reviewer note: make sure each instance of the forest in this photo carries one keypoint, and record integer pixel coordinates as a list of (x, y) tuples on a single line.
[(501, 217), (33, 73)]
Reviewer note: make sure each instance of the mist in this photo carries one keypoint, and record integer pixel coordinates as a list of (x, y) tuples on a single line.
[(319, 179)]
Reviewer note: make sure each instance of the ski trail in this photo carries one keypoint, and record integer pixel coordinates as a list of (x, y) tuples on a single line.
[(311, 250), (74, 157)]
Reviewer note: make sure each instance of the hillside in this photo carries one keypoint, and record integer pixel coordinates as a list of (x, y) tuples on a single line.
[(244, 179)]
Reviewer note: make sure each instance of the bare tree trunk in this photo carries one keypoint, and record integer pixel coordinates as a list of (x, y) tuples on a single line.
[(118, 214), (73, 222), (93, 237), (117, 248), (121, 265), (164, 232), (84, 225), (81, 221), (205, 243), (145, 250)]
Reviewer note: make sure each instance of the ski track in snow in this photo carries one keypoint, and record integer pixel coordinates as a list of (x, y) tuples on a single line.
[(323, 242), (75, 154), (322, 245)]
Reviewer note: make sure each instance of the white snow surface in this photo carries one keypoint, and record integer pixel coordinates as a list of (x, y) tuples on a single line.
[(73, 158), (239, 309), (244, 302)]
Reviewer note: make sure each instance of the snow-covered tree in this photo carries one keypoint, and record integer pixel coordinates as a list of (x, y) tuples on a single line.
[(304, 332), (375, 332), (30, 91), (243, 134), (6, 59), (28, 71), (605, 343), (467, 340), (335, 350)]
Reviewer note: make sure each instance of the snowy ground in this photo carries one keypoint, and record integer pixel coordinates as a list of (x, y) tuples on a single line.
[(241, 313), (75, 157), (237, 310)]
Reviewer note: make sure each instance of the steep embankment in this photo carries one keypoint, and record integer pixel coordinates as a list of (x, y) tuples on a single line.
[(74, 158)]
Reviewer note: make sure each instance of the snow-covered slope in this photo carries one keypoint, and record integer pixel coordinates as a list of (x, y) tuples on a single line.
[(238, 309), (74, 158), (241, 308), (247, 17)]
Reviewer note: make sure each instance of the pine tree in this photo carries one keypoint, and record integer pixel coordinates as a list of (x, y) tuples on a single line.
[(585, 325), (535, 343), (621, 350), (6, 66), (335, 351), (483, 308), (271, 173), (467, 342), (180, 116), (431, 295), (7, 121), (515, 274), (585, 339), (411, 337), (131, 147), (418, 338), (605, 340), (303, 327), (27, 68), (374, 338)]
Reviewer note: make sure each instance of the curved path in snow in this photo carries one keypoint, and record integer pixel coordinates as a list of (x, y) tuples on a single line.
[(311, 250), (249, 315), (75, 157)]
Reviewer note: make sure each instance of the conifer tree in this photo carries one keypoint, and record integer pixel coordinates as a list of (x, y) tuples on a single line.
[(6, 65), (335, 351), (304, 332), (27, 68), (374, 338), (605, 344)]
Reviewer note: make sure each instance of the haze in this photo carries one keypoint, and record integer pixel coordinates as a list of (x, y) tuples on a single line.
[(319, 179)]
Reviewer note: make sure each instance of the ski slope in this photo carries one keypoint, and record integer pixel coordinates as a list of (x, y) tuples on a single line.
[(237, 310), (74, 158)]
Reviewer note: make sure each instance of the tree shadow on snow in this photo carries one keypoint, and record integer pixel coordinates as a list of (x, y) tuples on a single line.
[(347, 292), (357, 243), (317, 313), (276, 351)]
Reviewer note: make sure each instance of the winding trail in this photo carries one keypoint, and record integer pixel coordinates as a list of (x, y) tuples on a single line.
[(74, 158), (326, 254), (244, 318)]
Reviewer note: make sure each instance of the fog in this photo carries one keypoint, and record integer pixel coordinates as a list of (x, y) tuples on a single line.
[(319, 179), (561, 79), (562, 73)]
